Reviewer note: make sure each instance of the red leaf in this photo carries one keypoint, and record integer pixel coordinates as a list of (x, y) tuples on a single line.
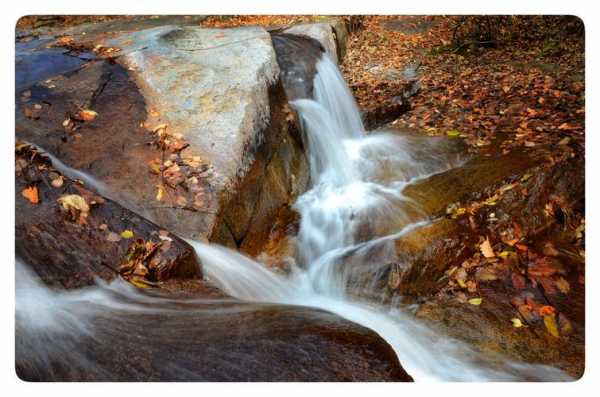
[(518, 281)]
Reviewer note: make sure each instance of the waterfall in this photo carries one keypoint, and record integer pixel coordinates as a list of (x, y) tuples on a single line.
[(357, 182)]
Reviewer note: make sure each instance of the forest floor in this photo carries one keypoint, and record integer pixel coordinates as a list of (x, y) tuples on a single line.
[(526, 82), (520, 79)]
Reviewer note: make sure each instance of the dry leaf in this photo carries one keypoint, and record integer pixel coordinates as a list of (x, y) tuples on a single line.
[(160, 192), (518, 281), (87, 114), (74, 201), (31, 194), (58, 182), (563, 285), (475, 301), (486, 249), (127, 234), (550, 323)]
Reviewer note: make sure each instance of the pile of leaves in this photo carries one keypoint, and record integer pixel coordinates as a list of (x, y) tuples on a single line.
[(528, 88), (146, 261), (143, 264), (183, 180), (527, 268)]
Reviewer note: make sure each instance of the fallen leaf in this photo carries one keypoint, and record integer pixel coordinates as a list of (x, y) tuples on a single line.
[(486, 249), (549, 249), (181, 201), (31, 194), (160, 192), (475, 301), (550, 323), (127, 234), (74, 201), (541, 268), (453, 133), (516, 322), (159, 129), (76, 205), (137, 282), (564, 141), (140, 270), (563, 285), (485, 274), (87, 114), (471, 286), (548, 285), (521, 247), (546, 310), (58, 182), (518, 281)]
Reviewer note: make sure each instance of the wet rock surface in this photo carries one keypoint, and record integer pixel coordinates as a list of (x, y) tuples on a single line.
[(297, 57), (225, 109), (539, 281), (70, 248), (225, 341), (328, 34)]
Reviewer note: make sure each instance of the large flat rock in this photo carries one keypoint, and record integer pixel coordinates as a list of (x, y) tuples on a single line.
[(211, 85), (115, 334), (215, 91)]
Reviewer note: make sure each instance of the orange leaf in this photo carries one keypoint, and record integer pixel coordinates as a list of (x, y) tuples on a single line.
[(31, 194), (486, 249), (546, 310)]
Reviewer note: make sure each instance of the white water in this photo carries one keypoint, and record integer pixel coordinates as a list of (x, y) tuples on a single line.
[(357, 184), (357, 181)]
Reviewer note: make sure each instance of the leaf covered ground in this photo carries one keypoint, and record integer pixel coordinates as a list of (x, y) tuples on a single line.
[(526, 86)]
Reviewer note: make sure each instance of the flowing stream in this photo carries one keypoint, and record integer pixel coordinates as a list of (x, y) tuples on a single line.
[(357, 182)]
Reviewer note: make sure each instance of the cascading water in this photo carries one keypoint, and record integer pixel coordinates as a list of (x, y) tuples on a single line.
[(358, 180)]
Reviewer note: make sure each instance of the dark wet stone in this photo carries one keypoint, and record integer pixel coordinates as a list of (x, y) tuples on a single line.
[(35, 63), (215, 340), (297, 56), (70, 254)]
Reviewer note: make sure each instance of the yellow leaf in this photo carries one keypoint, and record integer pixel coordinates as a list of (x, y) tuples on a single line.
[(486, 249), (451, 271), (516, 322), (160, 193), (138, 283), (127, 234), (550, 323), (475, 301), (87, 114), (159, 128), (565, 141), (505, 254), (453, 133), (74, 201)]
